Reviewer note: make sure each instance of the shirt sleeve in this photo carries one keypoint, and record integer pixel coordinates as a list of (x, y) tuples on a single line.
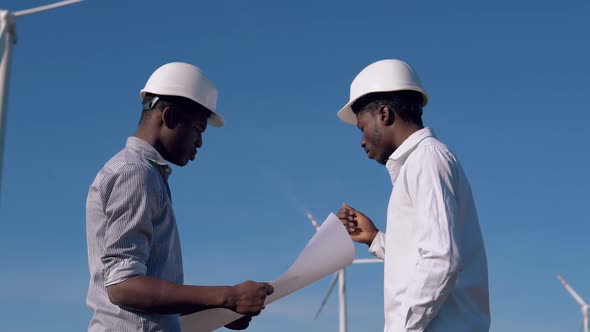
[(377, 247), (430, 182), (130, 207)]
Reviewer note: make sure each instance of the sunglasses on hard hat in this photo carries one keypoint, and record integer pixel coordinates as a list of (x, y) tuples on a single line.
[(148, 105)]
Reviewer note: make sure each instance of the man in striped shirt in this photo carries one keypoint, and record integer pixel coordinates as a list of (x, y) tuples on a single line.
[(134, 256)]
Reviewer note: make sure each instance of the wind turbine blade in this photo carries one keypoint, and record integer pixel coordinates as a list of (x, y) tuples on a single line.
[(366, 260), (44, 8), (328, 294), (573, 293), (3, 25), (312, 219)]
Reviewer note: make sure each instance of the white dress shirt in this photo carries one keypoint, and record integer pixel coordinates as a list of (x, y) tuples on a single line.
[(435, 271)]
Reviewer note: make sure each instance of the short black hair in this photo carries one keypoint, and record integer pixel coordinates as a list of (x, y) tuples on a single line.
[(181, 103), (407, 104)]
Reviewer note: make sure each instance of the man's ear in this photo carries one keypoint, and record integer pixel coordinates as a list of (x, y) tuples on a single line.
[(386, 115), (169, 117)]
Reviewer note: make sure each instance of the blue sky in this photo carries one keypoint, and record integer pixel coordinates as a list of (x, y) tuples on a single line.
[(507, 83)]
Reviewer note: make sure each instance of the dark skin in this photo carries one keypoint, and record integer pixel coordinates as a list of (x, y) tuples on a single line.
[(383, 132), (177, 134)]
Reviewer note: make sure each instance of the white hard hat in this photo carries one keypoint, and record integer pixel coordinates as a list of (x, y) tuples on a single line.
[(381, 76), (185, 80)]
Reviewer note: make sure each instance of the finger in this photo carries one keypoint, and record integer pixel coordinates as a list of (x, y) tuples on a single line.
[(347, 210), (269, 289), (351, 213), (351, 217), (346, 221), (345, 213), (242, 326), (350, 223), (354, 231), (239, 324), (348, 207), (244, 319)]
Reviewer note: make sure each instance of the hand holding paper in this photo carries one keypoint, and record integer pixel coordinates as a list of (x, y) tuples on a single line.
[(330, 250), (249, 297), (358, 225)]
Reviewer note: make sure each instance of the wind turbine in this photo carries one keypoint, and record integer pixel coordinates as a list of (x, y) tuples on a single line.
[(581, 302), (339, 276), (8, 33)]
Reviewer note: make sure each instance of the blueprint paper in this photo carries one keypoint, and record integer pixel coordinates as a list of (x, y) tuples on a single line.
[(330, 250)]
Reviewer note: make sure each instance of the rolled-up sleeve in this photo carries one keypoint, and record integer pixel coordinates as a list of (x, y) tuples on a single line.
[(130, 208), (432, 193)]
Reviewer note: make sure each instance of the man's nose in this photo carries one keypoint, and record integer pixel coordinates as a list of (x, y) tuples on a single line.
[(199, 142)]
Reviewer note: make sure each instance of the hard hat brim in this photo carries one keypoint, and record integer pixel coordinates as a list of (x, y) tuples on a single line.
[(216, 120), (347, 115)]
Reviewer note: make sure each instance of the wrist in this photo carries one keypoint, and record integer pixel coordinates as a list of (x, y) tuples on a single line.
[(372, 237), (227, 299)]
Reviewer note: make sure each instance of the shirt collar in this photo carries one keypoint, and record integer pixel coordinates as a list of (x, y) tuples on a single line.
[(150, 153), (399, 156)]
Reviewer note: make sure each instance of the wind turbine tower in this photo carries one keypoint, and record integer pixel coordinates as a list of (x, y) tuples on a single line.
[(8, 38), (583, 305), (339, 276)]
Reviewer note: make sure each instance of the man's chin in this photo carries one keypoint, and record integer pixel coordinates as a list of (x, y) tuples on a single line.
[(381, 161), (180, 163)]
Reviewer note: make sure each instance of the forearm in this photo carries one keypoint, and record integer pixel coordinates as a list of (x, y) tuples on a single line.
[(429, 287), (146, 294)]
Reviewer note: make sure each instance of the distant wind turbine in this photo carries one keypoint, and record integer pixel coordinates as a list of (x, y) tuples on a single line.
[(583, 305), (340, 277), (8, 32)]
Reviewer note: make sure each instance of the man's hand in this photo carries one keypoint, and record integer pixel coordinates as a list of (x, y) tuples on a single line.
[(240, 324), (359, 226), (248, 297)]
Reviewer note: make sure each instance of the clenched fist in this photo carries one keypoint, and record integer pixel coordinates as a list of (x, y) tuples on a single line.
[(248, 297)]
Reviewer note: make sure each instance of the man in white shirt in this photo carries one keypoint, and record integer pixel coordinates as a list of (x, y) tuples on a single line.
[(435, 273)]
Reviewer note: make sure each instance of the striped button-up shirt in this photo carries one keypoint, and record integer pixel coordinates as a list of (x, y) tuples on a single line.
[(131, 230)]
